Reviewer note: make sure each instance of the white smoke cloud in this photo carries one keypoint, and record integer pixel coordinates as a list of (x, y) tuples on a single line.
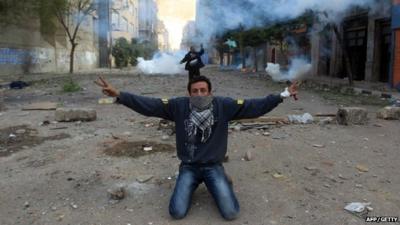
[(162, 63), (215, 17), (298, 69)]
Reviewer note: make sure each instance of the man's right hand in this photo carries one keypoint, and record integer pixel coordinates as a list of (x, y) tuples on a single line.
[(107, 88)]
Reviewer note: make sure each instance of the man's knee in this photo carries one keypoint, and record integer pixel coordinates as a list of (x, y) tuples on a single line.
[(177, 213), (231, 214)]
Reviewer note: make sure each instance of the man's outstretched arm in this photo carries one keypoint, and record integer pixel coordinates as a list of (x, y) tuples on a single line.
[(147, 106), (256, 107)]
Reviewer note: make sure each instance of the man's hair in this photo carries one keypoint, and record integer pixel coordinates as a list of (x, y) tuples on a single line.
[(199, 79)]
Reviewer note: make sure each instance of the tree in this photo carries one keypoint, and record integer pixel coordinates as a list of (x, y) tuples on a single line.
[(121, 52), (70, 14)]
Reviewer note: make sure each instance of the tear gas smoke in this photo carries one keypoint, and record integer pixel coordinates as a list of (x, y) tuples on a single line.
[(162, 63), (215, 17), (298, 69)]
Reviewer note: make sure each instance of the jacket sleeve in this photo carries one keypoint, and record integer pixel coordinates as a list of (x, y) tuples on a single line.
[(185, 59), (148, 106), (250, 108)]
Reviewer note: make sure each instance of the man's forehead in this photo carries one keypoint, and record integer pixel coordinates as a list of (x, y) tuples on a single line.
[(199, 84)]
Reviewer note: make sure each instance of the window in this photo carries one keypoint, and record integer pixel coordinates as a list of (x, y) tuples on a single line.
[(124, 24), (115, 21)]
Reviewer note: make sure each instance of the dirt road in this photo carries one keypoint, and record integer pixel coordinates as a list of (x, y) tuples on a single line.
[(60, 173)]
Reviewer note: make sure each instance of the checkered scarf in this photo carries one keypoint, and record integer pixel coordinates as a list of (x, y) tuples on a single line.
[(202, 120)]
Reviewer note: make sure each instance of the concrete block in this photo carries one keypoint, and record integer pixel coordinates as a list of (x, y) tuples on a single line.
[(389, 113), (352, 115), (75, 114)]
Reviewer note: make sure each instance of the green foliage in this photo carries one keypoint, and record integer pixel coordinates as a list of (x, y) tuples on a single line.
[(16, 12), (71, 86), (121, 52), (124, 52), (147, 49), (46, 11)]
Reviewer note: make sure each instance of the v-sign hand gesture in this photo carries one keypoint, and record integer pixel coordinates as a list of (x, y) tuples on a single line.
[(107, 88)]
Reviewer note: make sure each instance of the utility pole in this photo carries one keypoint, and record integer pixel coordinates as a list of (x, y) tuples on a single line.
[(104, 32)]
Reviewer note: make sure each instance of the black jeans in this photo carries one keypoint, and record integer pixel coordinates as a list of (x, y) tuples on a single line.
[(194, 72)]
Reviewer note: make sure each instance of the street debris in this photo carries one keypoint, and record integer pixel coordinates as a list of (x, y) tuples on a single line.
[(278, 176), (75, 114), (325, 115), (306, 118), (359, 209), (44, 123), (318, 146), (121, 148), (248, 156), (327, 120), (266, 134), (389, 113), (362, 168), (18, 84), (106, 101), (278, 135), (117, 193), (395, 102), (147, 148), (352, 115), (144, 178), (165, 137), (266, 120), (73, 205), (41, 106), (310, 168)]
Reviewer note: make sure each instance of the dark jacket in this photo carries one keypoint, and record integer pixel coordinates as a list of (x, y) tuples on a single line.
[(177, 109), (190, 57)]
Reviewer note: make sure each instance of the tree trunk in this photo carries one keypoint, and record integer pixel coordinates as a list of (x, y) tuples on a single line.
[(264, 56), (229, 58), (255, 59), (243, 58), (221, 57), (345, 54), (71, 58)]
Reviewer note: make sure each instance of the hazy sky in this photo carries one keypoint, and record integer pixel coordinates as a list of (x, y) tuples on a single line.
[(175, 14)]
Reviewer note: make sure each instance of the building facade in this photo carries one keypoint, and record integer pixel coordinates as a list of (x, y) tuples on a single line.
[(148, 20), (395, 71), (162, 37), (124, 19), (367, 37)]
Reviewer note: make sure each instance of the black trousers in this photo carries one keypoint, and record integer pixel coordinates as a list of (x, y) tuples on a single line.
[(194, 72)]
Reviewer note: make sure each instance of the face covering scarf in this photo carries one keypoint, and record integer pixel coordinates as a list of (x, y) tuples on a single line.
[(201, 116)]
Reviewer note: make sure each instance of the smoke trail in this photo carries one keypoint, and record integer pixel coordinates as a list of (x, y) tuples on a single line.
[(215, 17), (162, 63), (298, 69)]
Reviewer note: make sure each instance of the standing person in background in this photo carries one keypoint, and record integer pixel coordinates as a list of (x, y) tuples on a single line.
[(193, 61)]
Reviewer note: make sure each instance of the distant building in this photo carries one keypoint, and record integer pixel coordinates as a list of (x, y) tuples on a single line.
[(395, 68), (367, 37), (148, 20), (162, 37), (125, 19), (188, 35)]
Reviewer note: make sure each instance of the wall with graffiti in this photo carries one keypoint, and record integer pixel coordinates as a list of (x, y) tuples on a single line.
[(42, 60)]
